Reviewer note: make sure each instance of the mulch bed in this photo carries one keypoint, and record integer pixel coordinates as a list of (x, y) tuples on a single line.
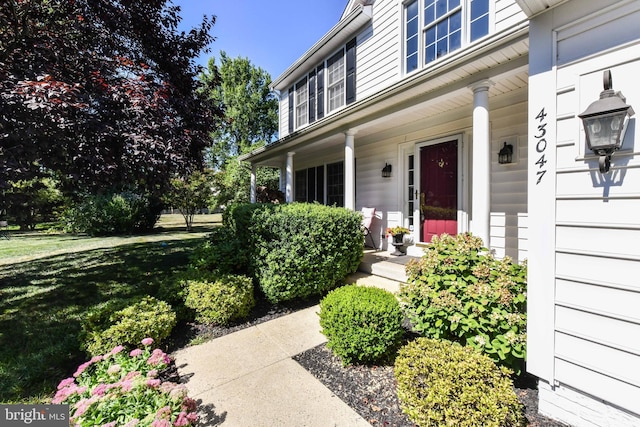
[(369, 390)]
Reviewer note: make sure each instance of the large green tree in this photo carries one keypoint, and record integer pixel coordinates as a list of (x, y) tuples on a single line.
[(250, 108), (250, 121), (104, 93)]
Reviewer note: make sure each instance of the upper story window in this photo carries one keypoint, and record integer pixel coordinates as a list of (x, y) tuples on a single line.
[(335, 81), (327, 87), (302, 103), (434, 28)]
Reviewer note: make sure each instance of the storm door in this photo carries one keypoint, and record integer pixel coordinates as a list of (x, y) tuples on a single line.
[(438, 189)]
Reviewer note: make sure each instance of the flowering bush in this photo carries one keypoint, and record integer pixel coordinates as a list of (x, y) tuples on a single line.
[(393, 231), (125, 390), (458, 291)]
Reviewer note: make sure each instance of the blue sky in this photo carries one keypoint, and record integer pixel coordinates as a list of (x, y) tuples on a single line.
[(272, 34)]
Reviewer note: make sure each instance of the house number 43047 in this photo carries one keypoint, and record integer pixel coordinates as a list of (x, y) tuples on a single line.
[(541, 144)]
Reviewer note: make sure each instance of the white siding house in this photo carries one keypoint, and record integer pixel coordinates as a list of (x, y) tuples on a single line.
[(584, 259), (434, 89)]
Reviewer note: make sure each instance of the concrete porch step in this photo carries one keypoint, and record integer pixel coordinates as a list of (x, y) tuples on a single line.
[(384, 265), (367, 279)]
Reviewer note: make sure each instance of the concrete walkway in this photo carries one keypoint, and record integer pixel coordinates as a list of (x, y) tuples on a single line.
[(249, 379)]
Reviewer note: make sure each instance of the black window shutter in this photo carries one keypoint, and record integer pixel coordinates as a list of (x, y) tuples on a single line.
[(320, 91), (312, 96), (291, 109), (351, 71)]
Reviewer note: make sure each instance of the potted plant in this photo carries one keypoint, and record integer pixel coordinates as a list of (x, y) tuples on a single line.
[(397, 233)]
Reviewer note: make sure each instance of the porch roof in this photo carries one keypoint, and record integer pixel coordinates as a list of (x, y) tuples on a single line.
[(503, 58)]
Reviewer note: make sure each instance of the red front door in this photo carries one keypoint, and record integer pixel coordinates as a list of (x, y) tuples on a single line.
[(439, 189)]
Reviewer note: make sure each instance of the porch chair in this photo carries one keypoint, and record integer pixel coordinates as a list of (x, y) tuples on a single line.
[(3, 227), (367, 219)]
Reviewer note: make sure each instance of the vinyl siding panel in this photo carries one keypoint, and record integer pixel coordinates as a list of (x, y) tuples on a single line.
[(507, 14), (378, 52), (509, 182), (284, 115), (597, 292)]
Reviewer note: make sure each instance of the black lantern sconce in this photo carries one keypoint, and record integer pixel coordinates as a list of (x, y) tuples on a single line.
[(386, 171), (605, 122), (505, 155)]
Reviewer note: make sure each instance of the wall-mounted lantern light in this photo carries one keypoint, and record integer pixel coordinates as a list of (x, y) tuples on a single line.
[(505, 155), (605, 122), (386, 171)]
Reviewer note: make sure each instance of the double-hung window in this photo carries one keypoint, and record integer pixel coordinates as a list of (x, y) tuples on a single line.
[(302, 103), (435, 28), (326, 88), (335, 81)]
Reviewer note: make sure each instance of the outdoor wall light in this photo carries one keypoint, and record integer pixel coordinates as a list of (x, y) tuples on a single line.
[(386, 171), (605, 122), (505, 155)]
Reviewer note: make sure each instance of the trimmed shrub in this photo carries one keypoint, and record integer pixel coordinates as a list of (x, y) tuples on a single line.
[(220, 300), (174, 288), (222, 252), (148, 317), (117, 388), (441, 383), (362, 324), (300, 249), (113, 213), (458, 291)]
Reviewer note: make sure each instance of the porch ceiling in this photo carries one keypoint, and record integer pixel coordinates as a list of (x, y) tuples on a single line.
[(429, 93)]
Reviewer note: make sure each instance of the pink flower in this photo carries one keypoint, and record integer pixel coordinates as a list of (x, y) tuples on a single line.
[(147, 341), (133, 423), (164, 412), (81, 369), (99, 390), (64, 393), (161, 423), (189, 404), (167, 386), (95, 359), (158, 357), (82, 406), (131, 375), (66, 382), (153, 383), (117, 349), (126, 385), (111, 424), (178, 392), (182, 420), (135, 353)]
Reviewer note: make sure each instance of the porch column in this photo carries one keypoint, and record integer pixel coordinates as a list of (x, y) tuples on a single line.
[(349, 171), (282, 180), (253, 183), (481, 167), (289, 184)]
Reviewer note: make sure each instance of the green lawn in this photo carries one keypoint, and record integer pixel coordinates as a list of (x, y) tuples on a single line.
[(48, 282)]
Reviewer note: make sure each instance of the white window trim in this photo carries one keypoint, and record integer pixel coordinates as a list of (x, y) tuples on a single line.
[(465, 38), (343, 80), (297, 104)]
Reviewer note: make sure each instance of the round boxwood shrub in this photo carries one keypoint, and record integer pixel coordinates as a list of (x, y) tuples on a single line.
[(220, 300), (441, 383), (362, 324), (147, 318)]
